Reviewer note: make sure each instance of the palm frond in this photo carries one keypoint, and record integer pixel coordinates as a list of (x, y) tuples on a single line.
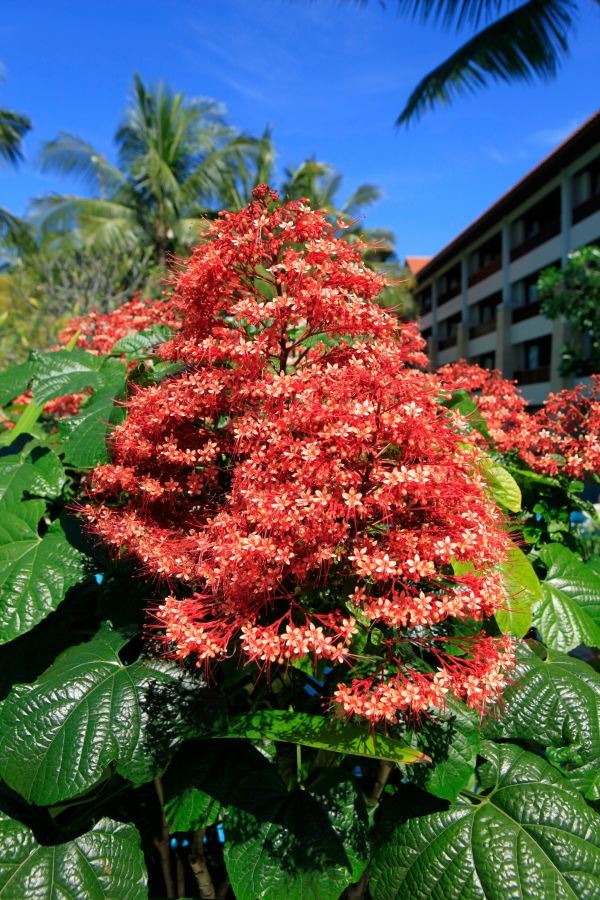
[(529, 42), (69, 154), (13, 128), (97, 221), (364, 195)]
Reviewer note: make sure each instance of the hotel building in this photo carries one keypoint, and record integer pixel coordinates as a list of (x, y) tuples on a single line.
[(477, 297)]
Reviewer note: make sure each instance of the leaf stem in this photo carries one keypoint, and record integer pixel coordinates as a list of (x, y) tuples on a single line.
[(162, 843)]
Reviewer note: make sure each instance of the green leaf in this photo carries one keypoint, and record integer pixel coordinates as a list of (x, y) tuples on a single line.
[(502, 485), (35, 572), (190, 810), (528, 835), (65, 372), (34, 469), (106, 862), (553, 702), (295, 843), (89, 712), (321, 733), (85, 433), (62, 372), (569, 611), (138, 343), (452, 741), (15, 381), (522, 591)]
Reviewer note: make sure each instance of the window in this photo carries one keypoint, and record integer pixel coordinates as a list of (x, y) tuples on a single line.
[(537, 353), (485, 360)]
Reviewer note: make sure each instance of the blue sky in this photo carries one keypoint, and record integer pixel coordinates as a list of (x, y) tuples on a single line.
[(329, 78)]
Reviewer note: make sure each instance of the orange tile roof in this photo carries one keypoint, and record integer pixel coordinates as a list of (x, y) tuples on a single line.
[(416, 263)]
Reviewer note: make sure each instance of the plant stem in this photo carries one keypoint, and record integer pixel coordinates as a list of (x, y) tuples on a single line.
[(199, 867), (162, 843), (383, 773)]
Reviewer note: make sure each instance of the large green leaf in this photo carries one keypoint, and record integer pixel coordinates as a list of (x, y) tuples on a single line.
[(321, 733), (452, 741), (106, 862), (502, 485), (85, 433), (33, 469), (35, 572), (522, 591), (89, 712), (297, 844), (528, 835), (553, 702), (569, 611), (65, 372)]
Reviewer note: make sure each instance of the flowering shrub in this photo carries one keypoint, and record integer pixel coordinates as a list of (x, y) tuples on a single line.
[(336, 581), (303, 452), (561, 437)]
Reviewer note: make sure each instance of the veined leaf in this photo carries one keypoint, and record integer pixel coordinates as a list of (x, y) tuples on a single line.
[(554, 702), (34, 469), (568, 614), (522, 591), (89, 712), (140, 342), (35, 572), (63, 372), (105, 862), (452, 740), (502, 485), (295, 843), (85, 433), (528, 835), (321, 733)]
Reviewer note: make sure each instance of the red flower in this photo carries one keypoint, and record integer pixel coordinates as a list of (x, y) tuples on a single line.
[(299, 480)]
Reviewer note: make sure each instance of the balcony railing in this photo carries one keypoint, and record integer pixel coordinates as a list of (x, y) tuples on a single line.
[(448, 295), (526, 312), (446, 343), (587, 208), (481, 329), (485, 271), (533, 376), (549, 230)]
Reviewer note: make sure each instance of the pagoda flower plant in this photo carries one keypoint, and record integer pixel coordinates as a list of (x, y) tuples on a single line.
[(284, 613)]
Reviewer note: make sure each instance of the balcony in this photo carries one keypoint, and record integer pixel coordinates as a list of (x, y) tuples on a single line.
[(533, 376), (485, 271), (448, 295), (585, 209), (549, 230), (476, 331), (526, 312), (446, 343)]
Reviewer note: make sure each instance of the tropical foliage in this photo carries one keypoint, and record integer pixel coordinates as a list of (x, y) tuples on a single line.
[(262, 579), (573, 293), (507, 42)]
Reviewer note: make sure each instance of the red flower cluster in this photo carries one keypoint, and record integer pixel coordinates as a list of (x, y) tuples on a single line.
[(562, 437), (99, 332), (299, 483)]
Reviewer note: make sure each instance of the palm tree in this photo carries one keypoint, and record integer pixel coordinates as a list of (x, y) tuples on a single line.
[(175, 157), (13, 128), (509, 43)]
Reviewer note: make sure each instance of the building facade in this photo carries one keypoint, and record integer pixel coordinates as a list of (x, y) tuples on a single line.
[(477, 296)]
